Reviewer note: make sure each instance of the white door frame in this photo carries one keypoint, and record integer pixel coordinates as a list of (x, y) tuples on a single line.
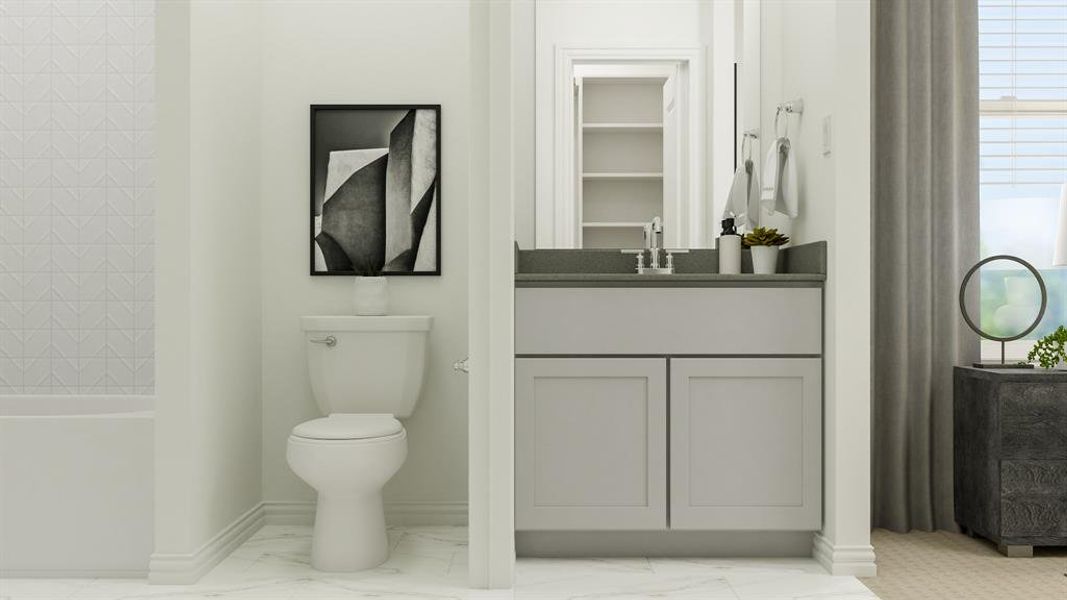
[(555, 203), (491, 305)]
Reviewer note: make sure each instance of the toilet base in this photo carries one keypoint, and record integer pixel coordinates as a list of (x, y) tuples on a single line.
[(349, 533)]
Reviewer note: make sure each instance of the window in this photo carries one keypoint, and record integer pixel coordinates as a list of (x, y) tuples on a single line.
[(1023, 159)]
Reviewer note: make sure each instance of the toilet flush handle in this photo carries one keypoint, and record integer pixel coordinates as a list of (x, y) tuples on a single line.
[(329, 340), (463, 366)]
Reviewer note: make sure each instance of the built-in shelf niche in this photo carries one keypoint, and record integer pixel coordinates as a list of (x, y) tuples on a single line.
[(610, 98), (621, 158)]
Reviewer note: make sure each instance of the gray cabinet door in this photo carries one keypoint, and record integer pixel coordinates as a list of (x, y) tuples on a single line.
[(746, 443), (590, 444)]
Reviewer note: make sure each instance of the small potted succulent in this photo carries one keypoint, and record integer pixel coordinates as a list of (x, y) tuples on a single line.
[(764, 243), (1051, 351)]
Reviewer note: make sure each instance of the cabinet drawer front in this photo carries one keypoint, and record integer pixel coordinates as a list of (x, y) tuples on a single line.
[(1033, 421), (1020, 478), (1033, 498), (590, 444), (746, 438), (668, 321)]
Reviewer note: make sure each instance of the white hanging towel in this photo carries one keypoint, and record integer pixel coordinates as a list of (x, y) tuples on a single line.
[(743, 202), (779, 191)]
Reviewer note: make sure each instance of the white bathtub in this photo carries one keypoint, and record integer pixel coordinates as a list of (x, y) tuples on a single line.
[(76, 485)]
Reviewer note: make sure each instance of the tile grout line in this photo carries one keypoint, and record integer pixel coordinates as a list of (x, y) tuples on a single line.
[(108, 386)]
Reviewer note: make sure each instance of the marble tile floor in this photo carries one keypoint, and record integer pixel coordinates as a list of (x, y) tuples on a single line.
[(430, 563)]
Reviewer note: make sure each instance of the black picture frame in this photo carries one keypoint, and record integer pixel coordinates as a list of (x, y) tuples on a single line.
[(322, 142)]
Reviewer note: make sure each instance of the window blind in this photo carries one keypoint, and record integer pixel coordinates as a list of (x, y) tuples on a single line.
[(1023, 92)]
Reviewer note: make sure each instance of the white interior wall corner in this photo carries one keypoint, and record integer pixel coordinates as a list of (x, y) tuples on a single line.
[(208, 395), (820, 52)]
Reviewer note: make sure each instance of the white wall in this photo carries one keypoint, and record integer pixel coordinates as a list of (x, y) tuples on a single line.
[(628, 24), (819, 51), (798, 61), (374, 52), (208, 431), (235, 82)]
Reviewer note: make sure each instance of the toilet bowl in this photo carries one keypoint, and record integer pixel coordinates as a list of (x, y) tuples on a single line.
[(347, 459), (366, 372)]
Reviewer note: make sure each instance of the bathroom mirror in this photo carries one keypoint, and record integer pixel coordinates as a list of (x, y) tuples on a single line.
[(638, 110), (622, 167), (633, 121)]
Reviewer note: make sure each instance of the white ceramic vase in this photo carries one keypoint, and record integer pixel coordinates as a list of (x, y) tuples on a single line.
[(370, 296), (764, 260)]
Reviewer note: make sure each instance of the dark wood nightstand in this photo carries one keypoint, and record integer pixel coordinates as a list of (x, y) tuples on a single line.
[(1011, 456)]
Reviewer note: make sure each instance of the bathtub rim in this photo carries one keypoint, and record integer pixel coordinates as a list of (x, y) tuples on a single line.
[(76, 406)]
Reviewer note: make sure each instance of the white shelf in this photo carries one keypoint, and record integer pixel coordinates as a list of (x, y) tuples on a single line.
[(622, 127), (622, 176), (613, 225)]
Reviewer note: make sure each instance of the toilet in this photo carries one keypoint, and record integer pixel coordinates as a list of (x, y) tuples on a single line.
[(366, 372)]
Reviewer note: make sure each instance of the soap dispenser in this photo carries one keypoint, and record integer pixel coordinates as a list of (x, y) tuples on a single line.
[(729, 249)]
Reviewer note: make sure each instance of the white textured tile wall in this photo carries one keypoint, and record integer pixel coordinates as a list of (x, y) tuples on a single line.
[(76, 196)]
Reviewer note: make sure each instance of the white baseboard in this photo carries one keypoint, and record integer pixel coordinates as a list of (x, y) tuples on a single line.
[(858, 561), (403, 514), (189, 568), (409, 514), (280, 512)]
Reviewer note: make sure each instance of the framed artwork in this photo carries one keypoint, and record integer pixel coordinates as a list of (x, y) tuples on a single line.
[(376, 189)]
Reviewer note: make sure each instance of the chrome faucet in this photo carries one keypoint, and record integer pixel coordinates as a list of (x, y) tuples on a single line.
[(653, 231)]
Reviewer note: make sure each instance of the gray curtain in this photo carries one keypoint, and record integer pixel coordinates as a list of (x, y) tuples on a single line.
[(925, 230)]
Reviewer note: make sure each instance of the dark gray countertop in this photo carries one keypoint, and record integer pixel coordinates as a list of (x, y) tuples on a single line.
[(1035, 375), (803, 265), (676, 280)]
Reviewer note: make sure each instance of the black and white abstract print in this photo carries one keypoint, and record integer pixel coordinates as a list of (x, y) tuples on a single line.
[(375, 190)]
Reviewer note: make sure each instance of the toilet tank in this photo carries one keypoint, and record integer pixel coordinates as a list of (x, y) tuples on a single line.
[(366, 364)]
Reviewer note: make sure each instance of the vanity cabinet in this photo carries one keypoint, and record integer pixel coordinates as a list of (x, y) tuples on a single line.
[(668, 321), (591, 443), (638, 409), (745, 443)]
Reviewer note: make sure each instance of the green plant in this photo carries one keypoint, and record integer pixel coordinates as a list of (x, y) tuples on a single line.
[(1050, 350), (764, 236)]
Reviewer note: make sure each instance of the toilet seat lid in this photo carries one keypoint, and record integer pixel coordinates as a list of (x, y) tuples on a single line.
[(349, 427)]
